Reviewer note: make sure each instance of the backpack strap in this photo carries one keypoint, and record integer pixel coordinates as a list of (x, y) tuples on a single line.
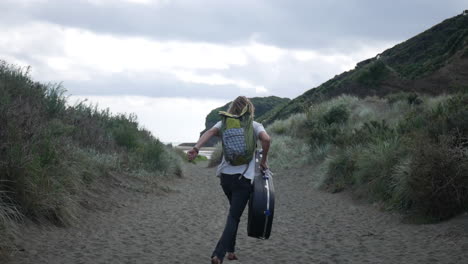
[(254, 157), (244, 111)]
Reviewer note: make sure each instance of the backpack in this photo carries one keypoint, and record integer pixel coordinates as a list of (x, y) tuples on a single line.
[(238, 137)]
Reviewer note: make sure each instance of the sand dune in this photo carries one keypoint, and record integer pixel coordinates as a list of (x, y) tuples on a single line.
[(183, 226)]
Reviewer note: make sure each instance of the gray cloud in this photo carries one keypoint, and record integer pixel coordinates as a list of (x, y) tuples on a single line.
[(336, 26), (119, 85), (285, 78), (290, 24)]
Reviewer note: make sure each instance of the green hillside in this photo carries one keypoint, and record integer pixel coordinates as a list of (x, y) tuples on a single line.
[(392, 131), (433, 62), (263, 107)]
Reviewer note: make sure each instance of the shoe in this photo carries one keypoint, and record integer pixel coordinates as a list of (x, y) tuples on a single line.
[(232, 256), (216, 260)]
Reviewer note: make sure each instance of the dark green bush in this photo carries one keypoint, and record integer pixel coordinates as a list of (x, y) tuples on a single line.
[(457, 118), (125, 135), (336, 115), (375, 168), (396, 97), (55, 101), (321, 133), (372, 132), (438, 179), (340, 169), (151, 155), (413, 99), (373, 74), (91, 128), (410, 97), (447, 118), (330, 127)]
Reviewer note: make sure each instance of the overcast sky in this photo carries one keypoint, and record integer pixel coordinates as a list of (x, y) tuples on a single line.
[(185, 57)]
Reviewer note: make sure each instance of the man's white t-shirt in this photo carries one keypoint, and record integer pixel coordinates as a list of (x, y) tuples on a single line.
[(227, 168)]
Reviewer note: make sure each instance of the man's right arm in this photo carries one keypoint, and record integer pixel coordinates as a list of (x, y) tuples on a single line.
[(192, 154)]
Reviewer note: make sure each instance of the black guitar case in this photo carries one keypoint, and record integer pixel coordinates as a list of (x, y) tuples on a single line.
[(261, 205)]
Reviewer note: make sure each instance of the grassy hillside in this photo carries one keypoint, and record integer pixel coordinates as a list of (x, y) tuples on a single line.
[(433, 62), (52, 154), (263, 106), (404, 152)]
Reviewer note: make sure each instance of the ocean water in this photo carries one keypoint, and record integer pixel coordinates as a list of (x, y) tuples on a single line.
[(207, 152), (174, 144)]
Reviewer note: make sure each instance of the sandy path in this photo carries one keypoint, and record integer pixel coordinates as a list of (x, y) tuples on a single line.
[(182, 227)]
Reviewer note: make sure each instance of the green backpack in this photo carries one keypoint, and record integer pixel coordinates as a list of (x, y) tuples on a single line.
[(238, 137)]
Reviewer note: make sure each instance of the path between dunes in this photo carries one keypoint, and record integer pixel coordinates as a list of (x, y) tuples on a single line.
[(310, 226)]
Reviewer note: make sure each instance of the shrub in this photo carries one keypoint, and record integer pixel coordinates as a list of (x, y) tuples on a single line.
[(173, 163), (217, 155), (151, 156), (442, 117), (295, 126), (413, 99), (457, 118), (373, 73), (338, 114), (288, 152), (55, 101), (438, 179), (279, 127), (125, 136), (396, 97), (371, 132), (410, 98), (375, 167), (339, 169), (329, 127), (125, 131), (400, 199), (91, 127)]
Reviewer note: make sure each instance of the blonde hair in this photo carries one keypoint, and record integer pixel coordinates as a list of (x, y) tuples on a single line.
[(238, 105)]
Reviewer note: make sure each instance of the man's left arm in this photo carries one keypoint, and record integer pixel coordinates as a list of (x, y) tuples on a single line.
[(265, 140)]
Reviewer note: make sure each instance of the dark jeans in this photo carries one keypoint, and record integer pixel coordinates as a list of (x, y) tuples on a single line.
[(238, 193)]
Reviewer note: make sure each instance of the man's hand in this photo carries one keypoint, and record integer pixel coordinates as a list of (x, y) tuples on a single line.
[(192, 154), (263, 165)]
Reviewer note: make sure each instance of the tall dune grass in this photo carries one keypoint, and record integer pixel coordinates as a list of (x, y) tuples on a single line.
[(217, 155), (288, 152), (407, 151), (288, 148), (51, 152)]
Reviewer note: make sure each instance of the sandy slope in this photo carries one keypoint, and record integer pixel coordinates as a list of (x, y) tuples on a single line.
[(183, 226)]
